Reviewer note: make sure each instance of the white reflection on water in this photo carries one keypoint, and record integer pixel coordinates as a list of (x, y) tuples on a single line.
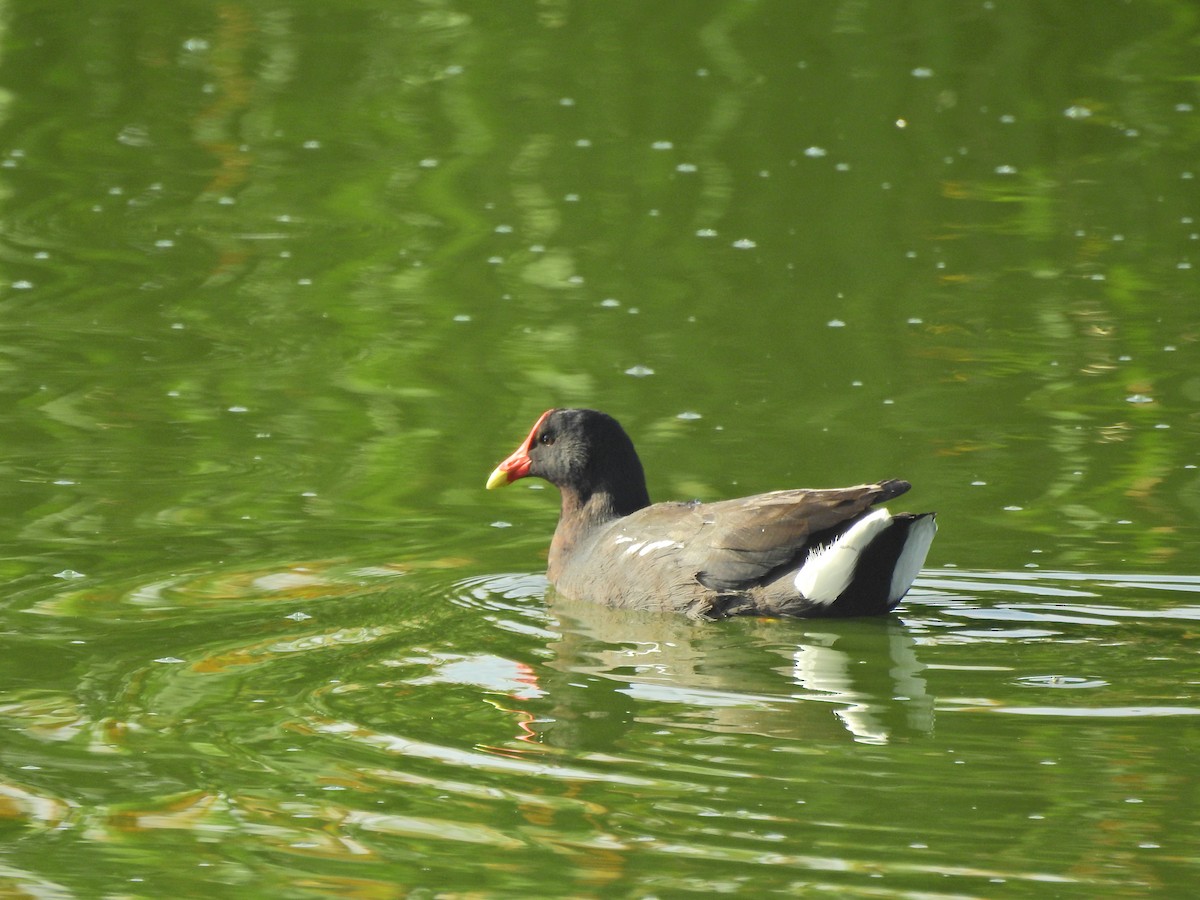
[(874, 676), (824, 669), (1105, 712)]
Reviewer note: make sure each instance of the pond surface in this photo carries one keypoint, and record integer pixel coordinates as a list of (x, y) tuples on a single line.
[(280, 283)]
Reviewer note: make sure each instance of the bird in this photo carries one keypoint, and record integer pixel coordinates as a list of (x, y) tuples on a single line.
[(803, 553)]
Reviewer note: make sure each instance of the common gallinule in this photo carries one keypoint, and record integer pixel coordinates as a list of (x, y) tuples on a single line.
[(784, 553)]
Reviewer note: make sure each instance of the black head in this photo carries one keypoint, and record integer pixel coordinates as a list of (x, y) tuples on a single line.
[(583, 451)]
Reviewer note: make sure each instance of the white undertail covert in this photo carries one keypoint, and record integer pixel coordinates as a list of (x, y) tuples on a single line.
[(829, 570)]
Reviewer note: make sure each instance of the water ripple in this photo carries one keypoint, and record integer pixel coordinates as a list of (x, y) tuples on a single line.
[(489, 712)]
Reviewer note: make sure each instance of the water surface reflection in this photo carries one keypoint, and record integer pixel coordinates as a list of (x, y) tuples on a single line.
[(779, 678), (357, 711)]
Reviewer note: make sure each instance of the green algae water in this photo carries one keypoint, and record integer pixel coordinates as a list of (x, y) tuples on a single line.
[(280, 283)]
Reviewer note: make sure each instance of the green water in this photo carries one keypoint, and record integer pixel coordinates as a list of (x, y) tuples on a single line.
[(281, 282)]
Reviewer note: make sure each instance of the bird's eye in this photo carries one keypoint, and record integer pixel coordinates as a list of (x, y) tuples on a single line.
[(546, 439)]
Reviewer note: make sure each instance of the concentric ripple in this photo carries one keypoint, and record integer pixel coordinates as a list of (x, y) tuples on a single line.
[(347, 712)]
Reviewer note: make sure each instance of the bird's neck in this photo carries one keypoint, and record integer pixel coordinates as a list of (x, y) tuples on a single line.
[(583, 511)]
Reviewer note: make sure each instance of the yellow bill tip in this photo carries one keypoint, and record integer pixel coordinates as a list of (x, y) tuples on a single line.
[(498, 478)]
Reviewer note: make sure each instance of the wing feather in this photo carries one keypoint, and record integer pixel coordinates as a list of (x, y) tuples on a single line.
[(750, 538)]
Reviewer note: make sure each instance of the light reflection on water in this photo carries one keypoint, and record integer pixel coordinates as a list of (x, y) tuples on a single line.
[(486, 712), (275, 281)]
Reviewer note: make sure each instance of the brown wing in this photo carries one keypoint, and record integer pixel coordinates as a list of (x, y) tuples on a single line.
[(740, 542)]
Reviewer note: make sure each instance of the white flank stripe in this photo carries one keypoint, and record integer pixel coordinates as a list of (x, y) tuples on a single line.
[(829, 570), (633, 548), (655, 545), (912, 557), (623, 539)]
